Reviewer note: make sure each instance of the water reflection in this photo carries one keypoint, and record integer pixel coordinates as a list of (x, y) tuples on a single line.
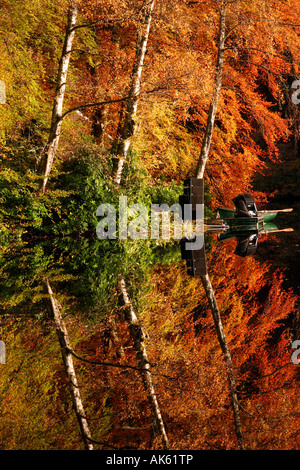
[(255, 305), (247, 240), (268, 287), (80, 276), (85, 270), (283, 250)]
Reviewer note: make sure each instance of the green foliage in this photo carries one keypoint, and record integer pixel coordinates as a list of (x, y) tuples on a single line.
[(86, 178), (84, 270), (22, 207), (18, 201), (166, 192)]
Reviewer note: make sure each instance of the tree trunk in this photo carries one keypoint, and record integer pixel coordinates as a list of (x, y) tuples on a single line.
[(64, 341), (200, 174), (216, 94), (138, 337), (129, 126), (47, 158), (114, 336), (225, 349), (99, 121)]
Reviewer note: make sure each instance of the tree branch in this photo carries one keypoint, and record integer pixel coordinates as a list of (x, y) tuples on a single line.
[(108, 22), (90, 105), (111, 101), (106, 364)]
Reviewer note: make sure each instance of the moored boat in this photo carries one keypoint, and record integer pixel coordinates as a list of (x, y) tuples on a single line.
[(267, 215), (231, 214)]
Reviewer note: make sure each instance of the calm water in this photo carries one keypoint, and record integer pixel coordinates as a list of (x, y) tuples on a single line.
[(283, 249), (87, 269), (84, 272)]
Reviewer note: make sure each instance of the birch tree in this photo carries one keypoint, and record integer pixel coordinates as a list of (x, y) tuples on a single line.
[(129, 126), (46, 161), (64, 342), (206, 143), (137, 334), (227, 356)]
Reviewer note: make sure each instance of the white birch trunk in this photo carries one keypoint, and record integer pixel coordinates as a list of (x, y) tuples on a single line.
[(56, 120), (64, 341), (129, 127), (138, 337), (216, 94), (226, 352), (200, 174)]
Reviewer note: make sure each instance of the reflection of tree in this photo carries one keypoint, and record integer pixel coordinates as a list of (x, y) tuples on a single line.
[(64, 342), (256, 308), (190, 379), (138, 336), (85, 275), (227, 356), (197, 267)]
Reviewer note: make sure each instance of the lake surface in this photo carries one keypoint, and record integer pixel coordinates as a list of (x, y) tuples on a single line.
[(256, 304), (284, 250)]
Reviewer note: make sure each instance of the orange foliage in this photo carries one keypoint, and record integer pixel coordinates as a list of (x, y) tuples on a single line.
[(188, 368), (183, 344)]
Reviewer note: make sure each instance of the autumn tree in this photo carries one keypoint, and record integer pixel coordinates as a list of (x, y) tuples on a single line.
[(129, 125), (238, 59), (28, 61), (64, 340), (48, 155), (222, 6)]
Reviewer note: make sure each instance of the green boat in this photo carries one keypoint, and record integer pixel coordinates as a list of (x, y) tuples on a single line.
[(227, 214), (246, 213)]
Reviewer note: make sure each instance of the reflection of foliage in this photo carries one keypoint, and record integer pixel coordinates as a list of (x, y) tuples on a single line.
[(255, 309), (22, 271), (34, 395), (82, 269), (96, 265)]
